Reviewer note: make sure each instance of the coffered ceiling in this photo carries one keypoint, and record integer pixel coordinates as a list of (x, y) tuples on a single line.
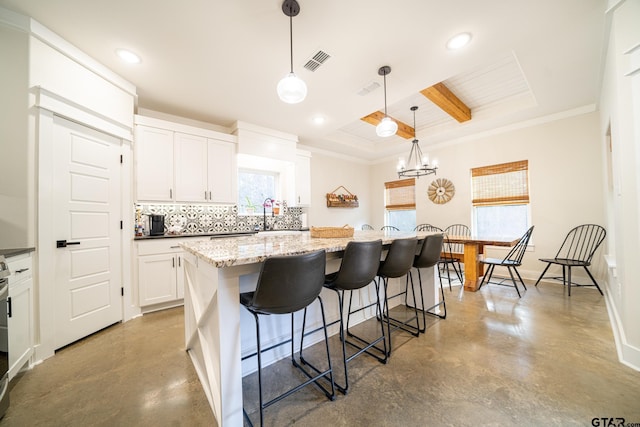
[(220, 62)]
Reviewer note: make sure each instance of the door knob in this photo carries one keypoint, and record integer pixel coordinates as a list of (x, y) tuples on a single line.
[(64, 243)]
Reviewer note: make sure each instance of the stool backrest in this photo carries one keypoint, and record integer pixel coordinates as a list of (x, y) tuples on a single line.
[(399, 258), (359, 266), (429, 252), (289, 283)]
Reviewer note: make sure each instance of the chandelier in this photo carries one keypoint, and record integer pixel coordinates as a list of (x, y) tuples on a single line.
[(417, 164)]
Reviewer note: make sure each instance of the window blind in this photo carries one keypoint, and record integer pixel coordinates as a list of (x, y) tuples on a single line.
[(400, 194), (502, 184)]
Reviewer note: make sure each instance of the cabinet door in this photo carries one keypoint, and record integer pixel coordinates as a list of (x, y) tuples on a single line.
[(157, 278), (191, 168), (303, 181), (154, 164), (20, 326), (222, 181)]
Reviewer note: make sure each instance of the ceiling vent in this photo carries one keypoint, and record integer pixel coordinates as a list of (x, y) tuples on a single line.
[(317, 60), (368, 88)]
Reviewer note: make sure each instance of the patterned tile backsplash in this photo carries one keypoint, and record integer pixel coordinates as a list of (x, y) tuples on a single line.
[(220, 218)]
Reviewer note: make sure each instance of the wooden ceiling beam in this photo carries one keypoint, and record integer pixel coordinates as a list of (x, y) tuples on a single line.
[(404, 130), (440, 95)]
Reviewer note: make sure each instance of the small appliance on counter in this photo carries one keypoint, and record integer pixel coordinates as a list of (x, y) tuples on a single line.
[(156, 225)]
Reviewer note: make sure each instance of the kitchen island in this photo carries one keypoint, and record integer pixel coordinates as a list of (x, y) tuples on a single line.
[(216, 271)]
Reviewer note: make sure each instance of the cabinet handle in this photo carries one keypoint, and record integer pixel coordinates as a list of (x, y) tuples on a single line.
[(174, 247), (173, 262), (179, 264), (22, 270), (171, 193), (210, 195), (9, 307), (205, 195)]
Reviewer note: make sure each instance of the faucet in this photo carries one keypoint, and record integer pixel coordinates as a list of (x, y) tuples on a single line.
[(265, 227)]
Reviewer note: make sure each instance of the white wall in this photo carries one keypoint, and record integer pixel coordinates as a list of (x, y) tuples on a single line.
[(620, 112), (565, 174), (328, 173)]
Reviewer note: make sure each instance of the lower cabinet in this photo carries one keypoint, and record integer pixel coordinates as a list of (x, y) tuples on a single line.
[(160, 272), (20, 313)]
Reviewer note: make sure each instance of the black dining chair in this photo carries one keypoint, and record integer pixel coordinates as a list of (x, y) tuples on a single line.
[(512, 261), (396, 264), (446, 256), (427, 227), (577, 250), (367, 227), (389, 228), (455, 249), (358, 269), (288, 284)]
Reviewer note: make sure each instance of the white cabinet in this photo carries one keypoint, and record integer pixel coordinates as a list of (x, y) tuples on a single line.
[(20, 312), (179, 163), (303, 179), (160, 272), (205, 170), (154, 164)]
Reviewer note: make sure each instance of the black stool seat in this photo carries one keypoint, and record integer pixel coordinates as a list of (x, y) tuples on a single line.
[(358, 269), (286, 285), (398, 263)]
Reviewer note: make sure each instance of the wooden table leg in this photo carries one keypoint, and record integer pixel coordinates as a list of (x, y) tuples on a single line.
[(472, 268)]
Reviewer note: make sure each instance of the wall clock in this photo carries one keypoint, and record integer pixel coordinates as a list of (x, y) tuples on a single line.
[(441, 190)]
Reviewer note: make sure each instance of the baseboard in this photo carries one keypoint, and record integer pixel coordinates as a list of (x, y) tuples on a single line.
[(627, 354)]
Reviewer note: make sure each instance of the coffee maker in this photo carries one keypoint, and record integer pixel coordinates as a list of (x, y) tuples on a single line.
[(156, 225)]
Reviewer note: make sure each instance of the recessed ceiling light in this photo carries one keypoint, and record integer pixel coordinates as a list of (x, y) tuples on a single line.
[(458, 41), (319, 120), (128, 56)]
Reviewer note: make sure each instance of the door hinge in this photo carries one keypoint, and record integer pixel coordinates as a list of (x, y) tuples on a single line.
[(121, 291), (121, 158), (121, 225)]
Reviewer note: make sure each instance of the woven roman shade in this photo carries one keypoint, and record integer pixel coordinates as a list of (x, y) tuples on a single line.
[(503, 184), (400, 194)]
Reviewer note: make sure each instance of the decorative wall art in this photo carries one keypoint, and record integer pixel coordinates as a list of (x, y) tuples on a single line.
[(441, 190), (342, 200)]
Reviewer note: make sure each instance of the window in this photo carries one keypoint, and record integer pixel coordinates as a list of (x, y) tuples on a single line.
[(501, 199), (253, 188), (400, 203)]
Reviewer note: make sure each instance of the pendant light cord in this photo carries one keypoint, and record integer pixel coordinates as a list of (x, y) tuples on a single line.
[(291, 38), (385, 93)]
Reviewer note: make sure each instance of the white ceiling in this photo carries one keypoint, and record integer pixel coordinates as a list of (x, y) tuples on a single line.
[(219, 62)]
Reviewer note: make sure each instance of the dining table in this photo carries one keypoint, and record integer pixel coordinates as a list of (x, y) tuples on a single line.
[(474, 253)]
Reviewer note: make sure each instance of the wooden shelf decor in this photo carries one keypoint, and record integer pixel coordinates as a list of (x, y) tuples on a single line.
[(342, 200)]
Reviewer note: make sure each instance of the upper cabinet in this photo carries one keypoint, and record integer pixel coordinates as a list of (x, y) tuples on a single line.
[(179, 163), (303, 178)]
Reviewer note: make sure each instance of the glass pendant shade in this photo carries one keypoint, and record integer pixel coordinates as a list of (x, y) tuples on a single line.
[(292, 89), (386, 127)]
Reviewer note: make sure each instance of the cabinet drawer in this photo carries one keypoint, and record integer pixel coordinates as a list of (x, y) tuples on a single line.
[(163, 246), (21, 268)]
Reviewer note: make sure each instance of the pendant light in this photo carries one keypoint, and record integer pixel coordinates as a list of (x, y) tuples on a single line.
[(291, 89), (387, 125), (417, 165)]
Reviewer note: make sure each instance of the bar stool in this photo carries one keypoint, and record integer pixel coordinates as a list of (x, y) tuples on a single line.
[(428, 257), (398, 263), (358, 268), (286, 285)]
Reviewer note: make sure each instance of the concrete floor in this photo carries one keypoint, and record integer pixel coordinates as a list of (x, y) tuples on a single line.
[(545, 359)]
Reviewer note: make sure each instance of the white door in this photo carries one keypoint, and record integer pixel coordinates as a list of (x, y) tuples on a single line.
[(87, 214)]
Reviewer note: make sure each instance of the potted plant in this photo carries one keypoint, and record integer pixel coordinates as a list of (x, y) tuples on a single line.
[(249, 208)]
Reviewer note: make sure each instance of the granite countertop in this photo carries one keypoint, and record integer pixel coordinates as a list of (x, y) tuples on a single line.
[(213, 234), (225, 252), (16, 251)]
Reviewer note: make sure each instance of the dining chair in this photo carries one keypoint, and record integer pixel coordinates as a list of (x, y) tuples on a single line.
[(427, 227), (577, 250), (456, 248), (446, 257), (512, 261), (367, 227), (389, 228), (286, 285)]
